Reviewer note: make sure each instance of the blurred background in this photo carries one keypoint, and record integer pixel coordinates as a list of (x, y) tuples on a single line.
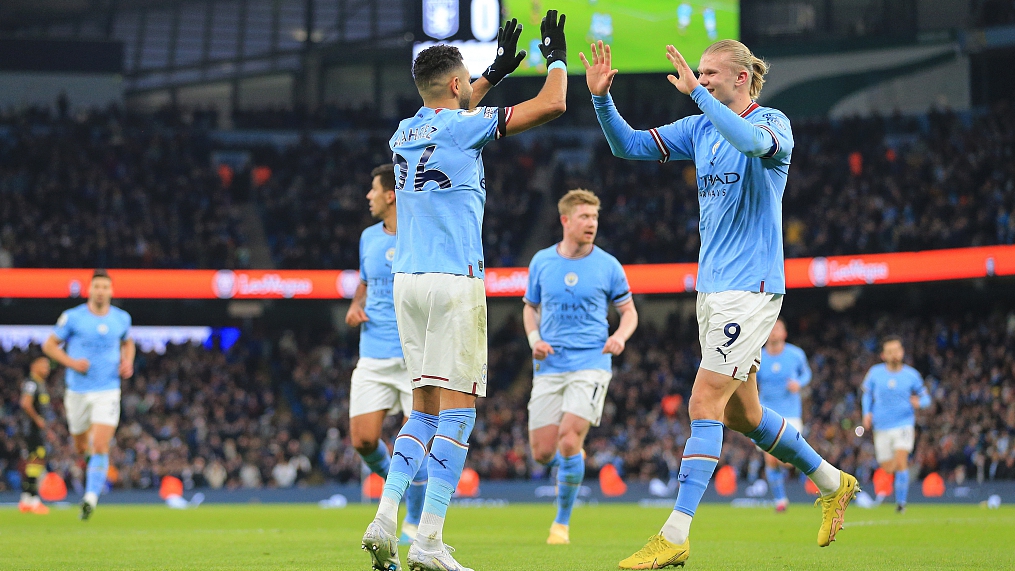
[(239, 135)]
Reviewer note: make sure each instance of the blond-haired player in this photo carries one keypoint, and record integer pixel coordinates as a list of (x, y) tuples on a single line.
[(572, 285), (741, 152)]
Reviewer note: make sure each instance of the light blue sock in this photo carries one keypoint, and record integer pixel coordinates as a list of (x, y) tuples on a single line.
[(98, 466), (569, 480), (777, 437), (901, 486), (378, 461), (776, 482), (415, 496), (409, 452), (445, 464), (701, 454)]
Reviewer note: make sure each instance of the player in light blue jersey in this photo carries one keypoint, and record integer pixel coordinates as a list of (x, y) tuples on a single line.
[(741, 152), (783, 372), (380, 384), (440, 297), (892, 391), (98, 351), (572, 285)]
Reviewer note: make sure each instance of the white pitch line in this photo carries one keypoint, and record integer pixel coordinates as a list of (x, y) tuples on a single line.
[(926, 521)]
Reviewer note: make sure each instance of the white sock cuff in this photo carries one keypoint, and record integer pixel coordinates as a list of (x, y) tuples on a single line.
[(677, 527), (826, 478), (431, 531)]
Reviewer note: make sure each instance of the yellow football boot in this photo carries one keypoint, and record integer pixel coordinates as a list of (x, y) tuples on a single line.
[(833, 508), (658, 553), (558, 535)]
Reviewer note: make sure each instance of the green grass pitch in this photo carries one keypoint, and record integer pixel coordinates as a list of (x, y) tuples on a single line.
[(252, 537)]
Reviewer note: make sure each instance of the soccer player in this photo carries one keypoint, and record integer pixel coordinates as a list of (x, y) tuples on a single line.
[(783, 372), (440, 298), (380, 382), (741, 152), (892, 391), (571, 287), (99, 352), (35, 404)]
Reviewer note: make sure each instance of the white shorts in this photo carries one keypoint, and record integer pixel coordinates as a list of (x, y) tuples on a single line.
[(886, 442), (581, 393), (733, 326), (442, 326), (85, 409), (380, 384)]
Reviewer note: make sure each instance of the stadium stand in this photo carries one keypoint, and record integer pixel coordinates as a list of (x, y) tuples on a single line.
[(109, 190), (880, 184)]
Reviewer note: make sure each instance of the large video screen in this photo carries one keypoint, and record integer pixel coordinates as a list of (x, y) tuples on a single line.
[(637, 30)]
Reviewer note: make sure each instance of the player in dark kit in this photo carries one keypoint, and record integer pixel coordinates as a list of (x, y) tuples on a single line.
[(34, 404)]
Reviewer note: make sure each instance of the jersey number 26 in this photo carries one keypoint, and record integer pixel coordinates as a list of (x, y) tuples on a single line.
[(423, 174)]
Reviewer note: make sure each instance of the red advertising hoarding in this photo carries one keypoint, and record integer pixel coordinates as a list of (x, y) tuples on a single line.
[(834, 271)]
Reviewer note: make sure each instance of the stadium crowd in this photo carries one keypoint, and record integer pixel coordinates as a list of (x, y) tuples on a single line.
[(273, 410), (115, 190), (107, 189)]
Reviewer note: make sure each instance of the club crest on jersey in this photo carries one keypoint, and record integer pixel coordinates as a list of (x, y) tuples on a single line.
[(102, 329), (571, 279), (776, 367), (891, 383), (390, 254)]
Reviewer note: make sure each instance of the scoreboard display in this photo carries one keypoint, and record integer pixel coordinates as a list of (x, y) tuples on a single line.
[(637, 30)]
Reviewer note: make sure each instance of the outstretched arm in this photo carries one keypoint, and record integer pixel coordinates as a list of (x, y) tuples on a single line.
[(506, 61), (625, 142), (750, 139), (552, 99)]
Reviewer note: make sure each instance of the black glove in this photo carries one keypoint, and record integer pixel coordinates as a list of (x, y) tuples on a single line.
[(553, 46), (507, 60)]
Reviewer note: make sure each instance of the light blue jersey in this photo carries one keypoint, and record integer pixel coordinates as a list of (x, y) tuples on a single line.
[(742, 163), (775, 372), (573, 296), (378, 337), (96, 338), (441, 186), (886, 396)]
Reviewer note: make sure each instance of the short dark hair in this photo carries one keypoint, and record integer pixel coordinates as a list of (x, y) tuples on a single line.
[(387, 174), (100, 273), (434, 63), (888, 339)]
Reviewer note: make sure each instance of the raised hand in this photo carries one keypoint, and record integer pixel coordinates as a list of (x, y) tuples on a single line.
[(553, 44), (598, 73), (685, 81), (507, 60)]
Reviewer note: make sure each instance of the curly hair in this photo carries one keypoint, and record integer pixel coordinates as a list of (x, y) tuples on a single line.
[(434, 63)]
